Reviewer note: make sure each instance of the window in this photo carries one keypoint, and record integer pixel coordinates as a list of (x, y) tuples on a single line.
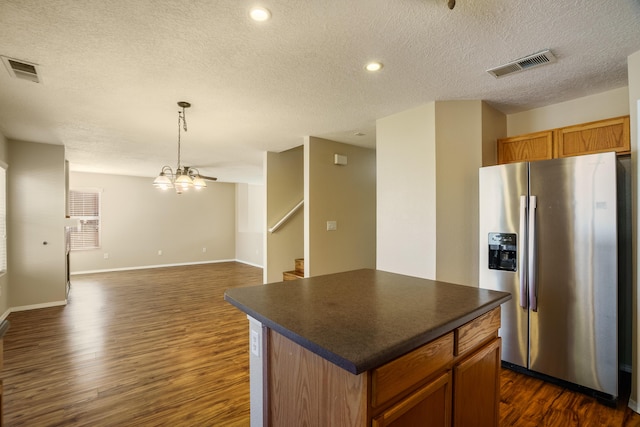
[(3, 218), (85, 207)]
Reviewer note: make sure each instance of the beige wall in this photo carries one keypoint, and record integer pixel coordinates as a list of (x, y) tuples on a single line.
[(250, 205), (284, 180), (4, 281), (139, 220), (458, 157), (406, 192), (494, 126), (342, 193), (634, 111), (613, 103), (36, 214)]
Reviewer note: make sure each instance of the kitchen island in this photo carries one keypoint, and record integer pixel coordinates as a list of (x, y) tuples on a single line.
[(367, 347)]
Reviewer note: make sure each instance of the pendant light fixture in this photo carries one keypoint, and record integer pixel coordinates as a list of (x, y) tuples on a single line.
[(185, 177)]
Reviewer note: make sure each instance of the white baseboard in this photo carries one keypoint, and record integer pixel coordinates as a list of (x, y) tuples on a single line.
[(248, 263), (31, 307), (36, 306), (634, 406), (144, 267)]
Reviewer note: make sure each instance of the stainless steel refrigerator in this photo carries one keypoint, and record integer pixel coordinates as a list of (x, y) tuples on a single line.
[(548, 235)]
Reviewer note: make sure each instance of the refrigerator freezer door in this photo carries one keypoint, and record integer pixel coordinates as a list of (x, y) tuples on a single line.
[(501, 189), (573, 334)]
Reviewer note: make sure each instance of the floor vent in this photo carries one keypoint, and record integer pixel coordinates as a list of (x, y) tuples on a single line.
[(21, 69), (526, 63)]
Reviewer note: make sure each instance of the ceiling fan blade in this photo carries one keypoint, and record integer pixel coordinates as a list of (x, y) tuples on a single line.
[(208, 178)]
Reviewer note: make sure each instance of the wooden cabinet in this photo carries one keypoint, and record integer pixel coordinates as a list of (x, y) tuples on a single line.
[(533, 146), (476, 405), (594, 137), (452, 379), (587, 138), (429, 406), (406, 372)]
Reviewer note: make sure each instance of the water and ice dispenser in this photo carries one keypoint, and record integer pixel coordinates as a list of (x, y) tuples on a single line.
[(503, 250)]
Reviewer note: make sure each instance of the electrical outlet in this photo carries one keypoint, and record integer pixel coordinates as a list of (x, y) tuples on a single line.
[(204, 250), (160, 252), (332, 225), (255, 343), (106, 255)]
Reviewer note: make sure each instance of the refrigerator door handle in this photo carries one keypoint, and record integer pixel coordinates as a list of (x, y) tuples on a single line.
[(521, 254), (533, 302)]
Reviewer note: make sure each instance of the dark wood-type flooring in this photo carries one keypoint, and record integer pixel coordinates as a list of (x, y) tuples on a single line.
[(161, 347)]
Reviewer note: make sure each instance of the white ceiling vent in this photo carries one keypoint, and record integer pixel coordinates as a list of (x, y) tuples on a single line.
[(526, 63), (21, 69)]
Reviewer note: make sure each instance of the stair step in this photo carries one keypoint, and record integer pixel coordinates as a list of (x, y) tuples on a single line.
[(300, 265), (292, 275)]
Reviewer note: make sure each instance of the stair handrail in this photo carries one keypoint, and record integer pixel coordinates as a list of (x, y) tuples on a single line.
[(286, 217)]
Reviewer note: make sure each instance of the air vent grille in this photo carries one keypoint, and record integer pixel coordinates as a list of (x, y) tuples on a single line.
[(526, 63), (21, 69)]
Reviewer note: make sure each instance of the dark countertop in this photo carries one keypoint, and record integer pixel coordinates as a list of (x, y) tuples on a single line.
[(362, 319)]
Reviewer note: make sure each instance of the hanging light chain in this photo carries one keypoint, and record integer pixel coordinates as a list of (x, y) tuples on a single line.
[(181, 117), (184, 176)]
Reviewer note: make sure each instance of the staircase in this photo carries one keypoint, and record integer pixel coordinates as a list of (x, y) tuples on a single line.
[(298, 273)]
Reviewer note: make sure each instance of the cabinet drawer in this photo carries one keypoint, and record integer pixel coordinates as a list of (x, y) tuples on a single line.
[(478, 330), (405, 372)]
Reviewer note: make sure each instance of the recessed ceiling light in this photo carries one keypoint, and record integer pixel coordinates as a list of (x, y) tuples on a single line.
[(373, 66), (260, 14)]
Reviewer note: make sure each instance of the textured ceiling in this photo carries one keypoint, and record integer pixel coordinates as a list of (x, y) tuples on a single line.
[(112, 71)]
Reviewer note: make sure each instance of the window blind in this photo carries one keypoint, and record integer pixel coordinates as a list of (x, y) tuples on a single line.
[(85, 207)]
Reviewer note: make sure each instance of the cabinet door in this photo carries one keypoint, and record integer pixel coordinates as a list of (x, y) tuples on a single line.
[(429, 406), (595, 137), (533, 146), (476, 381)]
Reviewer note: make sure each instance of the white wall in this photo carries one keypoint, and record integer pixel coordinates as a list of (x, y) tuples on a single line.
[(406, 192), (345, 194), (35, 226), (139, 220), (613, 103), (250, 205), (428, 160)]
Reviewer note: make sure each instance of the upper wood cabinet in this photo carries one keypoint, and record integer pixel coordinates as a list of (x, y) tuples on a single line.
[(533, 146), (586, 138), (594, 137)]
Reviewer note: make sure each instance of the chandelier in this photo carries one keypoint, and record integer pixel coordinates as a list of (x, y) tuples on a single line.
[(184, 177)]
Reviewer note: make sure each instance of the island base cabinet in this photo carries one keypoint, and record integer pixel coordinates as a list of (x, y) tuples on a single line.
[(476, 381), (452, 380), (306, 390), (429, 406)]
